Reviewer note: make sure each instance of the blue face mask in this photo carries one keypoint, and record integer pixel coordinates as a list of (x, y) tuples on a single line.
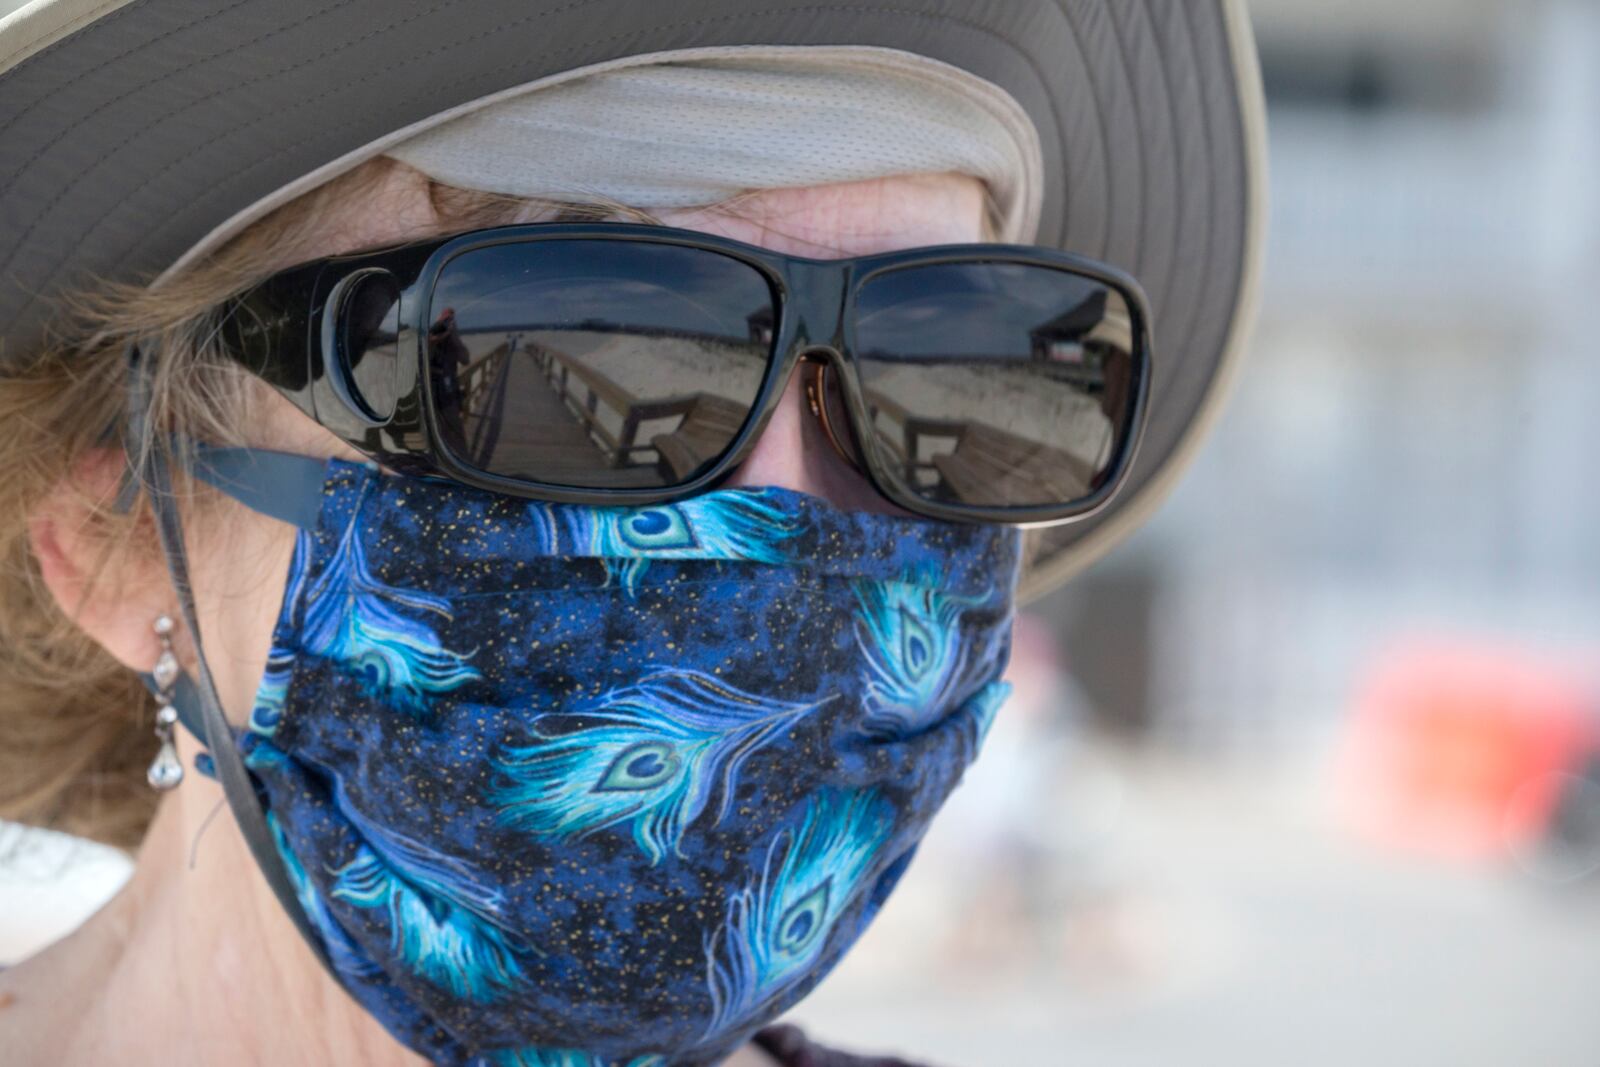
[(563, 785)]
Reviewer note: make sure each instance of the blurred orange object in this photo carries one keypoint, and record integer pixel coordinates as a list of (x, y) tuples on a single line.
[(1459, 751)]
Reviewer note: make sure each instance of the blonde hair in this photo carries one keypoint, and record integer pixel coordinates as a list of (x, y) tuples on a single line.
[(75, 724)]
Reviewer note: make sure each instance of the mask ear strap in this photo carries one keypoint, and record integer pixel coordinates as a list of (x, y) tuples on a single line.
[(279, 485), (152, 470)]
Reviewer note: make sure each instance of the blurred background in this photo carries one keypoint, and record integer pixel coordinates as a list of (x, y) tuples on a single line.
[(1308, 771)]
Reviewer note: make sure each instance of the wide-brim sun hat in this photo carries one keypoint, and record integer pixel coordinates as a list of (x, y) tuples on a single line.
[(137, 134)]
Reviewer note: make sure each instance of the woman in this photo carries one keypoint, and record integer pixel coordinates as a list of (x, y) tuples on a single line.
[(586, 710)]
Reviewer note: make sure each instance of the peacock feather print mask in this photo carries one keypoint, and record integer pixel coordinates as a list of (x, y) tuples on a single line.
[(580, 786)]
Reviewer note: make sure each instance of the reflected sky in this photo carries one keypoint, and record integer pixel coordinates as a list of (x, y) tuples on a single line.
[(988, 309), (564, 283)]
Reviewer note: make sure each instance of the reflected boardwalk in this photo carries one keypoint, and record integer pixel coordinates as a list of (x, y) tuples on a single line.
[(539, 409)]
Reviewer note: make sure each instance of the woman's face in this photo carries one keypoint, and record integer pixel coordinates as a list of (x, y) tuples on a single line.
[(241, 560)]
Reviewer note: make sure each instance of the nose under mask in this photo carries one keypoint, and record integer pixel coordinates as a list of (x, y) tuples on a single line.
[(567, 785)]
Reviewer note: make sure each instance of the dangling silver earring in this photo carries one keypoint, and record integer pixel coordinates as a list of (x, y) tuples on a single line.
[(165, 771)]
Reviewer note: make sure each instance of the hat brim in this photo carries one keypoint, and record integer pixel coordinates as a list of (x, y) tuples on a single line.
[(131, 133)]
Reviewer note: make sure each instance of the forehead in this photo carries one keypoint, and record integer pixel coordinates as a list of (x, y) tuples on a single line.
[(843, 219), (851, 218)]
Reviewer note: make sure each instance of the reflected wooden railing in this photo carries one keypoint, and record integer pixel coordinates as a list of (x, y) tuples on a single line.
[(482, 388), (608, 416), (981, 464), (585, 392), (914, 430)]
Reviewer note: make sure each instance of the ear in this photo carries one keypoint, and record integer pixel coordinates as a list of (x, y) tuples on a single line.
[(113, 592)]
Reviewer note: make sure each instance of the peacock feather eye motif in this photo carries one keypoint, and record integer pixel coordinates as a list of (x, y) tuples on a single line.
[(733, 524), (356, 621), (777, 926), (803, 922), (917, 644), (663, 528), (443, 921), (642, 766), (650, 755), (910, 633)]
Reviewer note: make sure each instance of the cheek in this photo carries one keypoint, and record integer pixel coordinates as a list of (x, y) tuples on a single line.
[(277, 424)]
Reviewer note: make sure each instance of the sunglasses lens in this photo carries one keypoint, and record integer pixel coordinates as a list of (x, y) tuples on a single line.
[(370, 324), (596, 364), (997, 385)]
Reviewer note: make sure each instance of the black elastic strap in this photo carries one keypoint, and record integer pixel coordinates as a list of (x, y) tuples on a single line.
[(237, 785)]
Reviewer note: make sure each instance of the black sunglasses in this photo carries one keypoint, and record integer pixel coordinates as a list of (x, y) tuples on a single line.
[(615, 363)]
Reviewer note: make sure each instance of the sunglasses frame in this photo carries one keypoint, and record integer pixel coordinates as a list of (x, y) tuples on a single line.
[(286, 331)]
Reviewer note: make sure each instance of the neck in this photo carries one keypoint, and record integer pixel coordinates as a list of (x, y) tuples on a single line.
[(196, 963)]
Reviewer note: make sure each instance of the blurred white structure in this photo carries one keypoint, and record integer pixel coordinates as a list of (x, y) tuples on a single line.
[(48, 884), (1411, 443)]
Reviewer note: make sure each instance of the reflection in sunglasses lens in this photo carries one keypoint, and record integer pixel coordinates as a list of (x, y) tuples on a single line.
[(597, 364), (370, 318), (996, 384)]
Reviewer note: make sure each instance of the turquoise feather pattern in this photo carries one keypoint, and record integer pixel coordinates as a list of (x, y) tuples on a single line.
[(356, 621), (562, 1057), (346, 958), (259, 753), (271, 694), (777, 926), (256, 744), (910, 635), (448, 945), (273, 691), (733, 524), (572, 787), (981, 709), (442, 921), (656, 754)]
